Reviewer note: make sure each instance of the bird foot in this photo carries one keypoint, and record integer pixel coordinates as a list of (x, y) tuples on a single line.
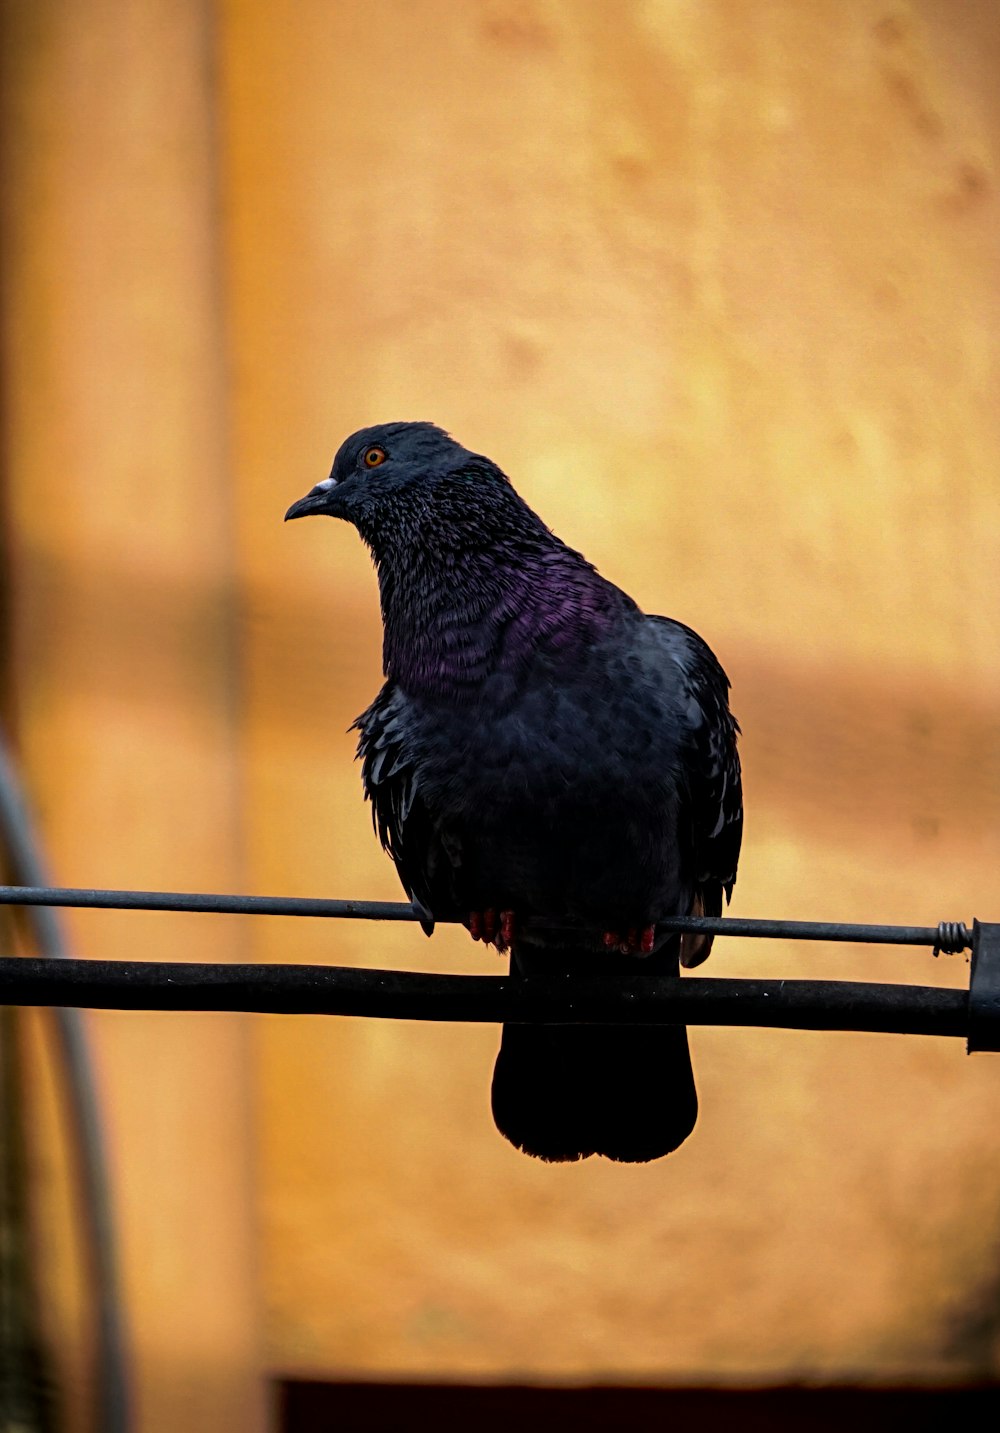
[(492, 927), (634, 941)]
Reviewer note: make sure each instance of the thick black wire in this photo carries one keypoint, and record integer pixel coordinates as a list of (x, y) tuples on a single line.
[(948, 936), (112, 1378), (411, 995)]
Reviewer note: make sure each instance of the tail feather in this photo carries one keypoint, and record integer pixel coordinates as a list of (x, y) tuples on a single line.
[(563, 1092)]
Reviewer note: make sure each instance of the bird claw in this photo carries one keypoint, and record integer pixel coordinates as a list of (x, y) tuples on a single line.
[(633, 941), (485, 926)]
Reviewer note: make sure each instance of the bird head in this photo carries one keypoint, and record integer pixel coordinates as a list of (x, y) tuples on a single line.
[(381, 469)]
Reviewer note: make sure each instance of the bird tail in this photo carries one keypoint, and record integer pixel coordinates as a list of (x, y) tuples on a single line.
[(563, 1092)]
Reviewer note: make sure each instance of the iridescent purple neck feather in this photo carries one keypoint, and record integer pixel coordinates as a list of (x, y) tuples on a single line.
[(475, 585)]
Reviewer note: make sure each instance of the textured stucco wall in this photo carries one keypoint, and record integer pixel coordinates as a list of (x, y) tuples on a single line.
[(124, 656), (718, 285)]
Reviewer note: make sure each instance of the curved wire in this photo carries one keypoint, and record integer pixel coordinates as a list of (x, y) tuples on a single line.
[(112, 1380)]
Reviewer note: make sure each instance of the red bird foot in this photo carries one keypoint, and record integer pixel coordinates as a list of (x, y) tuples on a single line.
[(634, 941), (485, 926)]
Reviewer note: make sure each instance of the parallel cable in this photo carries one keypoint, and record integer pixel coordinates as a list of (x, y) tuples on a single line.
[(948, 937), (411, 995)]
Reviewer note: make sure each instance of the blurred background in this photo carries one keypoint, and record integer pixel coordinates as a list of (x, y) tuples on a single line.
[(718, 285)]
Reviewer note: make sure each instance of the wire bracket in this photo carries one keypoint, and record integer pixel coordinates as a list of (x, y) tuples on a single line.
[(984, 988)]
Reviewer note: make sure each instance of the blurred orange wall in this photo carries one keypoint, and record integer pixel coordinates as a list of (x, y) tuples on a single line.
[(118, 494), (718, 286)]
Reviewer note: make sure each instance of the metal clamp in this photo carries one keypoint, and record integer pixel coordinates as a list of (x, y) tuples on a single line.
[(984, 988)]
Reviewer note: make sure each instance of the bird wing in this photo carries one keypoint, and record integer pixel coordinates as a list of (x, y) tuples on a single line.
[(712, 778), (389, 775)]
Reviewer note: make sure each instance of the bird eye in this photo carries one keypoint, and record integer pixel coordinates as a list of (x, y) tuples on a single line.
[(374, 457)]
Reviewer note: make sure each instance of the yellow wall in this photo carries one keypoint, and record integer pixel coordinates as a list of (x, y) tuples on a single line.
[(717, 285), (125, 690)]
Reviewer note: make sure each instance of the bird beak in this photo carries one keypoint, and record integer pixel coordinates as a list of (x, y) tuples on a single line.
[(314, 501)]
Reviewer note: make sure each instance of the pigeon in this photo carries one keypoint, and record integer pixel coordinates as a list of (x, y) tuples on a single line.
[(546, 764)]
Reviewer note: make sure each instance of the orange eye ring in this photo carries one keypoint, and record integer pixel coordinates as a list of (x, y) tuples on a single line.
[(375, 457)]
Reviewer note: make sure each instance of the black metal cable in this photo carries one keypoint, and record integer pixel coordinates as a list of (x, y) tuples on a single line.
[(408, 995), (948, 937), (210, 904), (112, 1380)]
